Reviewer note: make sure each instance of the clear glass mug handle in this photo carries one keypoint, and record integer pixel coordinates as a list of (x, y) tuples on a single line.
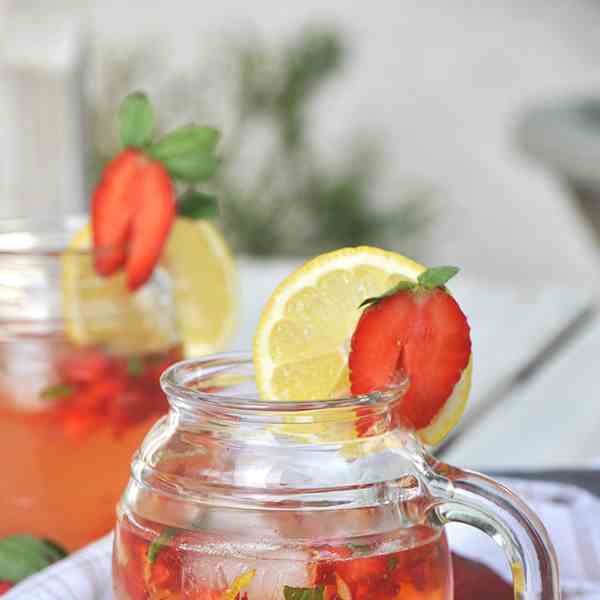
[(461, 496)]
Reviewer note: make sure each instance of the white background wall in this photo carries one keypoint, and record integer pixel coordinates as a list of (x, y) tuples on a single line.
[(444, 82)]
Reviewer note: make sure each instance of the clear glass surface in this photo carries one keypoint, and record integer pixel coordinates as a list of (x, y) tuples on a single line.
[(232, 497), (73, 407)]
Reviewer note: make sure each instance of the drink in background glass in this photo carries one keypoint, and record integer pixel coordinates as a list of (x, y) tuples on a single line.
[(235, 498), (79, 381)]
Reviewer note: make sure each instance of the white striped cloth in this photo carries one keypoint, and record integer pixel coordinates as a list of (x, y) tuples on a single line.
[(571, 515)]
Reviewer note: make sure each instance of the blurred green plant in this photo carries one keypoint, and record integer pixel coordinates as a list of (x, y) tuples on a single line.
[(278, 194)]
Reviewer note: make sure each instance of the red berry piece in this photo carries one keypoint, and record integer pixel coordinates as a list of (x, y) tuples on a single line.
[(5, 586), (419, 332), (131, 406), (154, 196), (112, 211), (84, 366)]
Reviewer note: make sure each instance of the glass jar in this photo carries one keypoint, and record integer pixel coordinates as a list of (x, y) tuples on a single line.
[(80, 361), (234, 498)]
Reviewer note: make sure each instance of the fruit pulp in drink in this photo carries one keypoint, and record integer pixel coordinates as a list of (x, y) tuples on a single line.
[(71, 418), (153, 562)]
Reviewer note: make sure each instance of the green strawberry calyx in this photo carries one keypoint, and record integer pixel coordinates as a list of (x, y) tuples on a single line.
[(430, 279)]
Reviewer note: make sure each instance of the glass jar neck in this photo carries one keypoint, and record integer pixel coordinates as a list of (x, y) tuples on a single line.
[(48, 285), (219, 394)]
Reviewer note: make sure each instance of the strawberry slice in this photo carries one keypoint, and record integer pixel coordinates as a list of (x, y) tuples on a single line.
[(362, 569), (134, 205), (113, 208), (84, 366), (154, 198), (416, 330), (377, 343)]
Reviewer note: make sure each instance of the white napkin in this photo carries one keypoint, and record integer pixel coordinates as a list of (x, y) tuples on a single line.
[(571, 515)]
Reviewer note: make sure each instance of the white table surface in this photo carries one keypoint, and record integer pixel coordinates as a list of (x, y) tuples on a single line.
[(553, 419)]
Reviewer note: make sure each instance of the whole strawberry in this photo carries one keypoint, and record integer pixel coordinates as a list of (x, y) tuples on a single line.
[(417, 331)]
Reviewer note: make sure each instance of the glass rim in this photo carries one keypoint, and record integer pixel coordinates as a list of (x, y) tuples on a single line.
[(17, 236), (173, 382)]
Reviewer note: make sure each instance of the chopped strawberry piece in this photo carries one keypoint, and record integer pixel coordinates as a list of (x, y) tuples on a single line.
[(166, 572), (84, 366), (362, 569), (154, 370), (422, 334), (113, 206), (324, 570), (96, 396), (5, 586), (131, 406), (330, 592), (154, 196), (77, 425)]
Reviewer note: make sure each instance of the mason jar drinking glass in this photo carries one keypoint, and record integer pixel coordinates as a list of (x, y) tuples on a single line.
[(80, 361), (235, 498)]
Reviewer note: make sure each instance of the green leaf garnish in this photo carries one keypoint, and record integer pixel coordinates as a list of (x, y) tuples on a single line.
[(197, 205), (295, 593), (192, 167), (60, 390), (400, 286), (185, 140), (136, 120), (157, 544), (392, 561), (360, 548), (24, 555), (433, 278), (135, 366), (437, 277)]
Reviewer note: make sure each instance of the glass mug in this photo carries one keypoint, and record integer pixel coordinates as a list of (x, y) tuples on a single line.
[(234, 498), (79, 381)]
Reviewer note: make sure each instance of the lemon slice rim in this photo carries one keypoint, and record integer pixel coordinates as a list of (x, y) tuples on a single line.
[(80, 245), (273, 309), (308, 274)]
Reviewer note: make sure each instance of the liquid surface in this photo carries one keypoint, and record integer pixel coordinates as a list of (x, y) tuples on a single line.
[(70, 421), (151, 562)]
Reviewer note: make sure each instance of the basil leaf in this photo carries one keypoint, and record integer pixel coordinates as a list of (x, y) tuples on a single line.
[(197, 205), (360, 549), (60, 390), (294, 593), (192, 167), (135, 366), (136, 120), (185, 140), (159, 541), (437, 276), (24, 555)]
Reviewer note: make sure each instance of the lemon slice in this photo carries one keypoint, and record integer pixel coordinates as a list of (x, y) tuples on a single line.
[(206, 287), (195, 261), (302, 342)]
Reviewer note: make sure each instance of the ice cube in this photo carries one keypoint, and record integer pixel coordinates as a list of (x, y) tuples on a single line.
[(216, 567)]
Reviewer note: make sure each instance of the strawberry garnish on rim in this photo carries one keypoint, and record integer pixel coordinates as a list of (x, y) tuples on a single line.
[(415, 330), (135, 202)]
